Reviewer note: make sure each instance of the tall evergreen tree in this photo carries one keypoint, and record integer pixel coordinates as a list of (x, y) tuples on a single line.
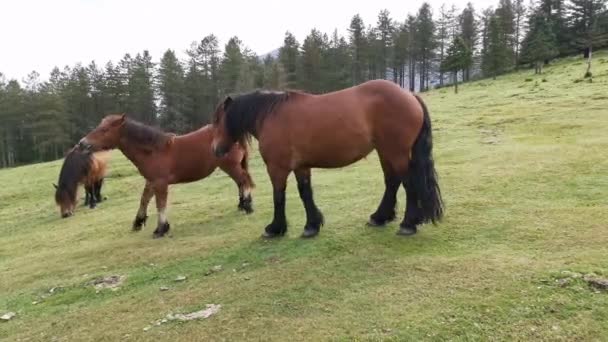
[(384, 31), (586, 22), (469, 34), (540, 43), (171, 91), (505, 15), (288, 56), (311, 61), (357, 44), (519, 9), (142, 99), (231, 65), (412, 56), (496, 58), (401, 45), (444, 35), (459, 57), (425, 42)]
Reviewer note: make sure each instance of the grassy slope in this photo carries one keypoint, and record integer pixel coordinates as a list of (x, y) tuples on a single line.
[(523, 168)]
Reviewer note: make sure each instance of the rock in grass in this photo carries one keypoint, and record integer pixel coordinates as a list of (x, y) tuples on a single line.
[(164, 288), (180, 278), (211, 309), (598, 283), (214, 269), (7, 316), (111, 282)]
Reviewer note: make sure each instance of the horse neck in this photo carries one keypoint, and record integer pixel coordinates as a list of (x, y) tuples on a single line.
[(131, 150)]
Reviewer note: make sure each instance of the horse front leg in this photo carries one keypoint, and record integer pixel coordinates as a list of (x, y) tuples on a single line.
[(314, 217), (142, 213), (160, 192), (91, 194), (278, 226)]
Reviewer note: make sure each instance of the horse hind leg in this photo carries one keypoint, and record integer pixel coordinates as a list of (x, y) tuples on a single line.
[(386, 210), (98, 186), (86, 196)]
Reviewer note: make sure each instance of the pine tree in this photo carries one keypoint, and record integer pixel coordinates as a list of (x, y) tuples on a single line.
[(506, 19), (400, 54), (288, 56), (444, 35), (142, 99), (586, 22), (274, 75), (520, 13), (357, 45), (425, 42), (496, 58), (171, 90), (459, 57), (469, 34), (384, 30), (540, 43), (412, 56), (232, 62), (311, 62), (372, 54)]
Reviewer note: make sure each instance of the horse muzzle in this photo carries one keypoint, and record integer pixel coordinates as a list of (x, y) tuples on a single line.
[(84, 145)]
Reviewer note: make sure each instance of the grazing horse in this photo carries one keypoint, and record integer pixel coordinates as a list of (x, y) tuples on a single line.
[(80, 167), (297, 131), (164, 159)]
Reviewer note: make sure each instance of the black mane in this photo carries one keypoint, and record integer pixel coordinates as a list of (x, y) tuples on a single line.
[(245, 111), (75, 166), (142, 134)]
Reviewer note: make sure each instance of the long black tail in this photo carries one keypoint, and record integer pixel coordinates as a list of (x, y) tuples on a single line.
[(422, 176)]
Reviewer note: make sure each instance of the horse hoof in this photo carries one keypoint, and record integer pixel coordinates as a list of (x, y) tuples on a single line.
[(139, 223), (309, 233), (374, 223), (161, 230), (407, 231), (270, 236)]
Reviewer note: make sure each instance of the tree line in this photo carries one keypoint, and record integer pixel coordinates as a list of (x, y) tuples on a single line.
[(430, 48)]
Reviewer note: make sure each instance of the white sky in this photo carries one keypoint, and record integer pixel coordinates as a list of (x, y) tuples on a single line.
[(40, 34)]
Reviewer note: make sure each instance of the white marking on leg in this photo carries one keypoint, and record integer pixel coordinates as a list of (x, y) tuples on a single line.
[(162, 216), (246, 191)]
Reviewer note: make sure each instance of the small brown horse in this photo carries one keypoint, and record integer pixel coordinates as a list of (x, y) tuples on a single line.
[(298, 131), (80, 167), (164, 159)]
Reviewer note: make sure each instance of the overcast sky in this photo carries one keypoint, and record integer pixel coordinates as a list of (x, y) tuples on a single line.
[(40, 34)]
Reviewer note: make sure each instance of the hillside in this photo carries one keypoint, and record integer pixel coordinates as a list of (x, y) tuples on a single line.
[(522, 162)]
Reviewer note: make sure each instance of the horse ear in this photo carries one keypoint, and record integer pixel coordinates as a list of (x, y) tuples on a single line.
[(120, 121), (55, 185), (227, 102)]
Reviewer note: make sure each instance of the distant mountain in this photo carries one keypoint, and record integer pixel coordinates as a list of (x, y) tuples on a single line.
[(274, 54)]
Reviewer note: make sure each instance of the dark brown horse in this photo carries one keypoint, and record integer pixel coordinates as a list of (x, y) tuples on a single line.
[(298, 131), (164, 159), (80, 167)]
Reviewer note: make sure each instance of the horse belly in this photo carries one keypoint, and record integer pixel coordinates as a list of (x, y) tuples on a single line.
[(334, 151)]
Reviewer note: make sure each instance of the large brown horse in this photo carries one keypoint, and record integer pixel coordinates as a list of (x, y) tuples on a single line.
[(164, 159), (299, 131), (80, 167)]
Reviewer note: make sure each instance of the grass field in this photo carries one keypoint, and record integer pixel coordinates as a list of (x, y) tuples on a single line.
[(523, 165)]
